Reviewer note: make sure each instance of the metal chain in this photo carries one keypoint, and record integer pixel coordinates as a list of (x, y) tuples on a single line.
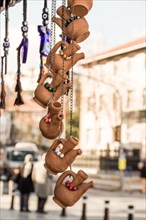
[(6, 43), (53, 33), (52, 44), (71, 74), (71, 77), (62, 83)]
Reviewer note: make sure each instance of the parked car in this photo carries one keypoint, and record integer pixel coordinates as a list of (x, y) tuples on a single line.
[(15, 155)]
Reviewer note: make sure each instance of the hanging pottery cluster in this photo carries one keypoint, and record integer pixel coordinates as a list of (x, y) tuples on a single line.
[(61, 58)]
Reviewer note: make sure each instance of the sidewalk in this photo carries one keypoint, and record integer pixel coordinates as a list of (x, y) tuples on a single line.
[(119, 202)]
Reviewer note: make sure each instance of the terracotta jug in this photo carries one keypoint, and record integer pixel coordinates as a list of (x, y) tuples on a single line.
[(56, 61), (80, 7), (58, 78), (77, 31), (57, 160), (51, 124), (42, 96), (69, 193)]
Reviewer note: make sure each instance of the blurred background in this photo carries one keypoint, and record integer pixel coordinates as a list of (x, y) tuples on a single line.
[(109, 95)]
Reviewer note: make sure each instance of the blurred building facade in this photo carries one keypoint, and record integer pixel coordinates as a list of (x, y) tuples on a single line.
[(113, 99)]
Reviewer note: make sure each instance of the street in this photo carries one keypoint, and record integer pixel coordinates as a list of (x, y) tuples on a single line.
[(95, 205)]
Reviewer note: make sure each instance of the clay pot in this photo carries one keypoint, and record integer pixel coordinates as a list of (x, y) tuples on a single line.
[(65, 195), (80, 7), (57, 161), (57, 62), (42, 96), (77, 31), (51, 125)]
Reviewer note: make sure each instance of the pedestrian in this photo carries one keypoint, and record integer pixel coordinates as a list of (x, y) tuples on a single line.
[(42, 183), (25, 183), (142, 168)]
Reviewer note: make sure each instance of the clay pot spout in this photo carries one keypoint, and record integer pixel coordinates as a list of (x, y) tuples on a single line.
[(84, 187)]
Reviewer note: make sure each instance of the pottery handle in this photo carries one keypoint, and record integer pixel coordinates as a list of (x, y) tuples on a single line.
[(43, 78), (55, 144), (56, 47), (66, 44), (64, 175)]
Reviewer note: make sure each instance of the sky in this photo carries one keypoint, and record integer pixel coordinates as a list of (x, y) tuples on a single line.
[(111, 23)]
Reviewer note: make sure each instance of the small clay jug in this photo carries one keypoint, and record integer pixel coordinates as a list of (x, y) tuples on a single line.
[(68, 193), (80, 7), (77, 31), (51, 124), (42, 96), (58, 159), (63, 60), (59, 78)]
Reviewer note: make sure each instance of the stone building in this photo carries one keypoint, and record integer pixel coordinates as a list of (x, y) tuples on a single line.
[(113, 99)]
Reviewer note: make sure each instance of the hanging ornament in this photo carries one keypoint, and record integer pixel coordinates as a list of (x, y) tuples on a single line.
[(80, 8), (81, 31), (6, 46), (71, 190), (60, 61), (23, 48), (61, 154), (24, 43), (45, 33)]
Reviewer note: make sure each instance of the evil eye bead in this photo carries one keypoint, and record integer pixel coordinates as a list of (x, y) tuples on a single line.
[(24, 28), (45, 16), (61, 155), (6, 44)]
